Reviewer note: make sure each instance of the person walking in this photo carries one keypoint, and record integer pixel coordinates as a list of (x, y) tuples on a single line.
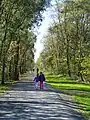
[(36, 79), (41, 79)]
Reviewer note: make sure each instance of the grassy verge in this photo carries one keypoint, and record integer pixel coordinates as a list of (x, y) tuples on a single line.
[(3, 88), (80, 92), (6, 86)]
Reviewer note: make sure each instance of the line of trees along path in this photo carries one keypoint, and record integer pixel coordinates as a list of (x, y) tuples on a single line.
[(16, 38), (67, 44)]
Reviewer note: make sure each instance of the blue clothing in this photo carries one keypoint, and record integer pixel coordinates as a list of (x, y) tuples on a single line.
[(36, 79)]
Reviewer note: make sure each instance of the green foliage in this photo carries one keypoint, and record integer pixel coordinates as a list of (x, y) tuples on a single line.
[(67, 44), (16, 37)]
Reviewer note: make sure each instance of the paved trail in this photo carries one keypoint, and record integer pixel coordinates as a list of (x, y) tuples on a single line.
[(23, 102)]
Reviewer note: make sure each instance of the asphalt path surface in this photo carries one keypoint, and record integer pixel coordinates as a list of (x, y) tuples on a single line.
[(23, 102)]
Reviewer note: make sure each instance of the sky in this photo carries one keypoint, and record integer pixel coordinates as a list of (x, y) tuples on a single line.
[(43, 29), (41, 33)]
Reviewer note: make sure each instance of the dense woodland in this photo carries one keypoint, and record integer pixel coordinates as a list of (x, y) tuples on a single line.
[(67, 45), (17, 18)]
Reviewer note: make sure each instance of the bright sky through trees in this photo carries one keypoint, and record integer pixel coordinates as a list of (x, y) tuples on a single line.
[(42, 31), (44, 28)]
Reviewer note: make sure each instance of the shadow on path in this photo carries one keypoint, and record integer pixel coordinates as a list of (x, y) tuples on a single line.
[(23, 102)]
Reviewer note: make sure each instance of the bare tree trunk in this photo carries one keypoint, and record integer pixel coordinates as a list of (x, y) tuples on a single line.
[(67, 45), (10, 66), (16, 59), (3, 71), (68, 59), (0, 4), (2, 44)]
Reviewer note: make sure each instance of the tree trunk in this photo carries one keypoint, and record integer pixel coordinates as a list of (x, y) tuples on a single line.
[(68, 62), (0, 4), (67, 43), (79, 72), (16, 59), (20, 68), (10, 76), (2, 44), (3, 71)]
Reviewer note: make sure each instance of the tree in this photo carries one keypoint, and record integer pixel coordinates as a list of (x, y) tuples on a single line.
[(67, 43), (17, 18)]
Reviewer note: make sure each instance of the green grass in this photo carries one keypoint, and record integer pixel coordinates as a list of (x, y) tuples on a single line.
[(3, 88), (6, 86), (80, 92)]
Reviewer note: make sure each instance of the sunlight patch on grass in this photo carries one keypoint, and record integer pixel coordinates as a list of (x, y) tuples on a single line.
[(80, 92), (84, 101), (72, 86), (57, 78)]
